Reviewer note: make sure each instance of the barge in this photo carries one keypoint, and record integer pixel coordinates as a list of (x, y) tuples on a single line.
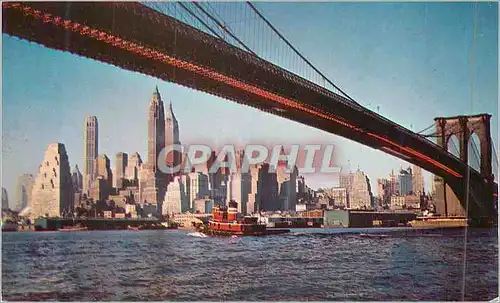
[(436, 222)]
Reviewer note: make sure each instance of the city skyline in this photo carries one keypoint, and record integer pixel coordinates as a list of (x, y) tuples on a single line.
[(118, 99)]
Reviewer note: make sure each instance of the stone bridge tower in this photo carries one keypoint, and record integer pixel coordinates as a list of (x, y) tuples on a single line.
[(463, 127)]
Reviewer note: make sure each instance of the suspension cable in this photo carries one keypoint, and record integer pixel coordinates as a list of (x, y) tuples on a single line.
[(199, 20), (426, 128), (298, 53), (223, 27)]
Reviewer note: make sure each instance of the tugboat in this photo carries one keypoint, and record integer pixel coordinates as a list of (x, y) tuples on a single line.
[(225, 223)]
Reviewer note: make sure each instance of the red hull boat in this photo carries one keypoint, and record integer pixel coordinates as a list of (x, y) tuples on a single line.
[(225, 223)]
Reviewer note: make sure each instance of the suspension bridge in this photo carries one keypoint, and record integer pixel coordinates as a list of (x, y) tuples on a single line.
[(233, 51)]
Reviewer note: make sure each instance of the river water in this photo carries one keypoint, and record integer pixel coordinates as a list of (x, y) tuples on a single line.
[(311, 264)]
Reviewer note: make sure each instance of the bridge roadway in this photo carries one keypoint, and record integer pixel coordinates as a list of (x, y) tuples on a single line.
[(137, 38)]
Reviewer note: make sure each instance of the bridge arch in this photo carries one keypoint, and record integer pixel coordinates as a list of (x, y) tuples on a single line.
[(465, 127)]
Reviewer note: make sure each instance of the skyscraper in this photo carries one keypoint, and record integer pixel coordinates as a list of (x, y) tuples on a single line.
[(5, 199), (24, 187), (360, 195), (77, 178), (267, 190), (90, 152), (175, 197), (156, 130), (133, 166), (173, 159), (152, 181), (121, 162), (252, 181), (418, 180), (405, 182), (103, 169), (52, 193)]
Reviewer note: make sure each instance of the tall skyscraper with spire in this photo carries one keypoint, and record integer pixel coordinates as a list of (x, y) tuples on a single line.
[(173, 159), (90, 141), (152, 184), (156, 129)]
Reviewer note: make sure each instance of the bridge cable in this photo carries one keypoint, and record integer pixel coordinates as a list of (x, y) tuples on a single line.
[(298, 53), (223, 27), (221, 33), (199, 19), (454, 146), (495, 156), (425, 129), (476, 154), (495, 159)]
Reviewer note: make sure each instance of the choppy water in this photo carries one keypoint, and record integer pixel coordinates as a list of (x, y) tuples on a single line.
[(305, 265)]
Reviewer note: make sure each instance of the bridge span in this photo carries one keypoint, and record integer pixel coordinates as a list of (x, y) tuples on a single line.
[(135, 37)]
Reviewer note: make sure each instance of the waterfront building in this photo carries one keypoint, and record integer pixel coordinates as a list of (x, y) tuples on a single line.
[(5, 199), (203, 205), (405, 179), (131, 210), (413, 201), (405, 202), (339, 196), (119, 215), (90, 152), (363, 219), (175, 196), (301, 207), (417, 181), (148, 210), (397, 202), (23, 191), (52, 193)]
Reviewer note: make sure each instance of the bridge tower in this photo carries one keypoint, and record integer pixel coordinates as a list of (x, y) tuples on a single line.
[(463, 127)]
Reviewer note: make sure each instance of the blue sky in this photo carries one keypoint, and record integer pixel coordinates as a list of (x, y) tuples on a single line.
[(411, 60)]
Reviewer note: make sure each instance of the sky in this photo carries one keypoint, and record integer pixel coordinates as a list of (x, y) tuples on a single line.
[(411, 62)]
